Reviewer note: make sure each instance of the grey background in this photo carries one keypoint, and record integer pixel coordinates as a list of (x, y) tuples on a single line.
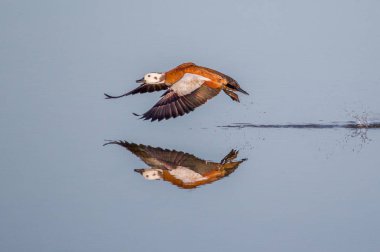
[(302, 61)]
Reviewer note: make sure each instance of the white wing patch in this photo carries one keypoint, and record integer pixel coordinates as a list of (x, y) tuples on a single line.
[(188, 83), (186, 175)]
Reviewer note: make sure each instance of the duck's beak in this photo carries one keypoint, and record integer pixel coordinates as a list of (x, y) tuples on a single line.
[(139, 171), (140, 80), (241, 90)]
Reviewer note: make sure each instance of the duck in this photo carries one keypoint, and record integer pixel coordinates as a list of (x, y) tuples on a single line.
[(187, 86), (178, 168)]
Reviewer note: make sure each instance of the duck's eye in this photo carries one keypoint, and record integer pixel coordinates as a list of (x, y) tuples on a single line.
[(155, 78), (147, 176), (148, 75)]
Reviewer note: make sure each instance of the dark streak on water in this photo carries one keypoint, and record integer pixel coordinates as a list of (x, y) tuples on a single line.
[(347, 125)]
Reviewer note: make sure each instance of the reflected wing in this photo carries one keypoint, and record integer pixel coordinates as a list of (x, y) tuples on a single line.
[(173, 104), (161, 158)]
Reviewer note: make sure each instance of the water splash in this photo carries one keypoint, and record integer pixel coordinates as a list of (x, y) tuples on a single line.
[(360, 123), (358, 128)]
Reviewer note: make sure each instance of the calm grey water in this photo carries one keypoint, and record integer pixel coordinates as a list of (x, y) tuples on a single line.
[(300, 189)]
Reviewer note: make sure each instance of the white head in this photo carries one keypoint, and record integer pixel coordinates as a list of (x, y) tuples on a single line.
[(153, 78), (150, 174)]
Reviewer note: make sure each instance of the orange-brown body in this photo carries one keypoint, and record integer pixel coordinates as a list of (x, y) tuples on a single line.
[(217, 80)]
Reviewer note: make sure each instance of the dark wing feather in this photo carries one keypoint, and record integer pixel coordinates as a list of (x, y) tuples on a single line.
[(147, 88), (143, 88), (162, 158), (172, 105)]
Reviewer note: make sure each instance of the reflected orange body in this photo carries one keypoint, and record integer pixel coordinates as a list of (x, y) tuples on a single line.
[(219, 171), (208, 178)]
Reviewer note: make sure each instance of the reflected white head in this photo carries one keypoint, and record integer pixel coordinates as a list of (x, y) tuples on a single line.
[(153, 78), (152, 174)]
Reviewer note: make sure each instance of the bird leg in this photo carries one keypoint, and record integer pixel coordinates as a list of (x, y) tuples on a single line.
[(231, 94), (230, 156)]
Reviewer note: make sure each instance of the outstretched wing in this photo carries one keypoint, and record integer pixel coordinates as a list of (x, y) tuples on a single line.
[(143, 88), (172, 104), (161, 158), (184, 96), (148, 88)]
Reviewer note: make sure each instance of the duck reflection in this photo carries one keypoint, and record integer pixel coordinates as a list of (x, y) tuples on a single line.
[(179, 168)]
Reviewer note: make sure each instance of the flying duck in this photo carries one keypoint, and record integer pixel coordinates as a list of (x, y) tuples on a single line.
[(180, 169), (187, 86)]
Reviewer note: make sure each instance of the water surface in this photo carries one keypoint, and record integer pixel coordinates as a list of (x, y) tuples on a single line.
[(301, 188)]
